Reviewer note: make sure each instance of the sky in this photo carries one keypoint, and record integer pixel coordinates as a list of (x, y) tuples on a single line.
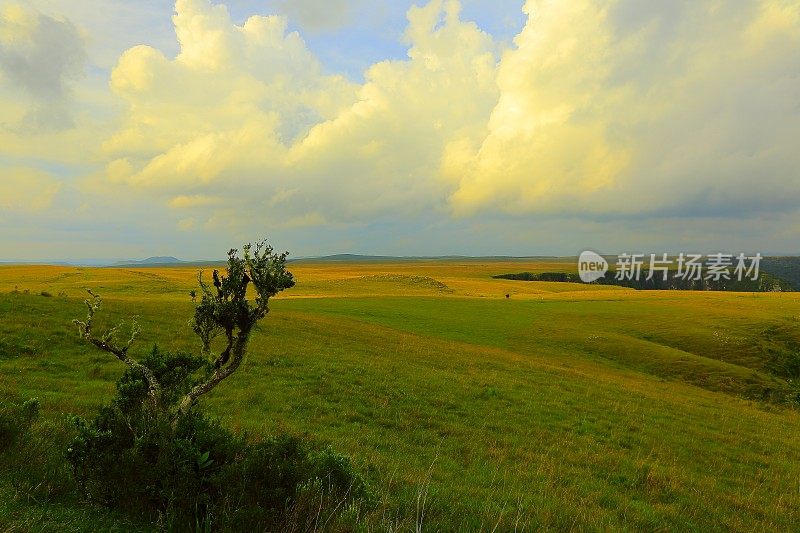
[(480, 127)]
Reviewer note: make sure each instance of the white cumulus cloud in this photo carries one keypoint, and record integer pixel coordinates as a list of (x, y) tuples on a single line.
[(600, 109), (604, 117), (623, 108), (245, 115)]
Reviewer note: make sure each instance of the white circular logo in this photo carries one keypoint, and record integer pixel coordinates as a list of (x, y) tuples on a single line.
[(591, 266)]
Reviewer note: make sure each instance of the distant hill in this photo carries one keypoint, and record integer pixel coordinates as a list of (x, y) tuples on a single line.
[(785, 268), (356, 258), (336, 258), (345, 258), (157, 260)]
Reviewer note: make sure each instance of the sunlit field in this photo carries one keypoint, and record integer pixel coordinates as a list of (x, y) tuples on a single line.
[(469, 402)]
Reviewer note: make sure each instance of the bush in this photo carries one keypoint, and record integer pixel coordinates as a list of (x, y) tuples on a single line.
[(152, 453), (16, 421), (133, 457), (46, 294), (35, 448)]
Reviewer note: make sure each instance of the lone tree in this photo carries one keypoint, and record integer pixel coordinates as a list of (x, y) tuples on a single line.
[(151, 453), (224, 311)]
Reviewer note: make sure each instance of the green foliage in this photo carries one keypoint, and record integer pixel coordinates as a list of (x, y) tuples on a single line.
[(34, 448), (151, 452), (573, 411), (765, 282), (225, 308), (274, 477), (16, 421), (786, 268), (780, 344), (133, 458), (176, 373)]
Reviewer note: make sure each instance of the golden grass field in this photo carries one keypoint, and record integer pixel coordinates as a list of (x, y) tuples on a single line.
[(564, 406), (321, 279)]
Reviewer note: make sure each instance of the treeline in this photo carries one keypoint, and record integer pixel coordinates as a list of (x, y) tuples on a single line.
[(785, 268), (765, 282)]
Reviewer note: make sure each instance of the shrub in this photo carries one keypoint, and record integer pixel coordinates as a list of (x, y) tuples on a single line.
[(284, 480), (153, 453), (35, 448), (16, 421), (196, 471)]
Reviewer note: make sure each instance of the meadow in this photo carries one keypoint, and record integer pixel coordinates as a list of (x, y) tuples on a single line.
[(471, 403)]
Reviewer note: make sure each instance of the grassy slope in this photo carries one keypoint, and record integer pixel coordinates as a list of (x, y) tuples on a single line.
[(569, 409)]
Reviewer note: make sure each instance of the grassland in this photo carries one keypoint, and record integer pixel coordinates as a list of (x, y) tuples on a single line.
[(563, 406)]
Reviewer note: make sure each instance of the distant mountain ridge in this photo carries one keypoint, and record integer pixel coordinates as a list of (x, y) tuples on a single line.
[(786, 267), (335, 258), (156, 260), (356, 258)]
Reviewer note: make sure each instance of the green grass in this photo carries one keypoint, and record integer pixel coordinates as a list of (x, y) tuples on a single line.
[(18, 515), (694, 341), (569, 410)]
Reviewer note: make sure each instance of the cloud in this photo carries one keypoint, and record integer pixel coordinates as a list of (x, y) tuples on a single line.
[(602, 110), (244, 114), (182, 202), (186, 224), (27, 190), (603, 117), (620, 109), (40, 58)]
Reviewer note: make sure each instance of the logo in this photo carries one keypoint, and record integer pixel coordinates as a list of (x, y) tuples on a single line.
[(716, 268), (591, 266)]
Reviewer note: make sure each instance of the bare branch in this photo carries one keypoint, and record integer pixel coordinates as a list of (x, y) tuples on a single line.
[(223, 308), (106, 343)]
